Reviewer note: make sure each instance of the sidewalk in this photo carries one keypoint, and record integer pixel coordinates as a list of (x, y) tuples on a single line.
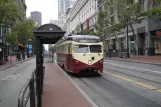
[(59, 91), (140, 59), (14, 60)]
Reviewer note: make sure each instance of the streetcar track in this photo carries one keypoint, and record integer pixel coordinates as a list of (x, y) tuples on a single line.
[(107, 99), (98, 93), (118, 86), (134, 76), (141, 71), (131, 91)]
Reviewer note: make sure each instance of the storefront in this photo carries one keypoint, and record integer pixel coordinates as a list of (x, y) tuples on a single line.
[(157, 43)]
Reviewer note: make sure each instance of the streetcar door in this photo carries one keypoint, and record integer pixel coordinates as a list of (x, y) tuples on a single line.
[(70, 56)]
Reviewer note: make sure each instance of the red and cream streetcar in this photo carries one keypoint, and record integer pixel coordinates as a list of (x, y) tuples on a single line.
[(80, 53)]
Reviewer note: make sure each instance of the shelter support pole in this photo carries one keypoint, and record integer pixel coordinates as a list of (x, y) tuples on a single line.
[(38, 72), (41, 66)]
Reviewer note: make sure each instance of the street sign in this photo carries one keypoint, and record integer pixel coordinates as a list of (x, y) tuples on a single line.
[(30, 48)]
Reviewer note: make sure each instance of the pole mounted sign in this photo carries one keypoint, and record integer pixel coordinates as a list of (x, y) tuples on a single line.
[(30, 48)]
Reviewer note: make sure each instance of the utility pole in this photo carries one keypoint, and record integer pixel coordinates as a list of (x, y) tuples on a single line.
[(128, 40)]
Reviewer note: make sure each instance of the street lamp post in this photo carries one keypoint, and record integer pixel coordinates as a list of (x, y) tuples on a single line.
[(127, 35), (127, 40), (1, 51)]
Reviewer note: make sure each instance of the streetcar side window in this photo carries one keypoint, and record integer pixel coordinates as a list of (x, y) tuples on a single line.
[(81, 49)]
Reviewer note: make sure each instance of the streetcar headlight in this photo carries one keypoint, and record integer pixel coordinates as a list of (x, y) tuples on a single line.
[(89, 62)]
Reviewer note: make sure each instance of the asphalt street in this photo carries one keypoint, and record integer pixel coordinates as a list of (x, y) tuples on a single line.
[(124, 84), (12, 81)]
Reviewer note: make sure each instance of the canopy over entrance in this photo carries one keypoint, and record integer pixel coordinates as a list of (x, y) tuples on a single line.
[(49, 33), (45, 34)]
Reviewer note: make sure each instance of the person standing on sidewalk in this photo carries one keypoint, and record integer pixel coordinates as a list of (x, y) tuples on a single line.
[(146, 53)]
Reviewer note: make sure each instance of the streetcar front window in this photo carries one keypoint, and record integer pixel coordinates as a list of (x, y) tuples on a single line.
[(95, 48), (81, 49)]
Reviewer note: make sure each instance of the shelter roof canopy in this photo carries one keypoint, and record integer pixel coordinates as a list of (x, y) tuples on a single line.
[(49, 33)]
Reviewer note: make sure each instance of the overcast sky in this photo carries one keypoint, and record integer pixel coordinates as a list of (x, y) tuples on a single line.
[(48, 8)]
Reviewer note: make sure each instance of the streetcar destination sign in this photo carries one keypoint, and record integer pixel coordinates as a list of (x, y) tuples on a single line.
[(88, 40)]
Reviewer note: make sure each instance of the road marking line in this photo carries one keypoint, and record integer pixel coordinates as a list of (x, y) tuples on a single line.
[(129, 80), (159, 90), (145, 85), (135, 82), (142, 69)]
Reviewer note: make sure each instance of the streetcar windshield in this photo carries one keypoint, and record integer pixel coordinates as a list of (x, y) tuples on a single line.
[(81, 49), (87, 49), (95, 48)]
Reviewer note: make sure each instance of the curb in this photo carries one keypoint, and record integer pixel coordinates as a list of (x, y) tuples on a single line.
[(134, 61), (17, 62)]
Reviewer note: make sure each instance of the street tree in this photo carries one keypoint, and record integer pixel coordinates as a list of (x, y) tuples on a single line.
[(113, 26), (130, 13), (9, 13), (105, 27), (156, 10), (102, 26), (11, 38), (24, 30)]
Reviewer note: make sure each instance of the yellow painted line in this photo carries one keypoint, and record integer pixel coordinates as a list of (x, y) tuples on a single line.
[(118, 76), (159, 90), (145, 85), (135, 82)]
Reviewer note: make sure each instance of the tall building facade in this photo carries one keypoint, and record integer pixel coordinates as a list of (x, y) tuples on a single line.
[(61, 19), (82, 16), (54, 22), (36, 17), (63, 6)]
